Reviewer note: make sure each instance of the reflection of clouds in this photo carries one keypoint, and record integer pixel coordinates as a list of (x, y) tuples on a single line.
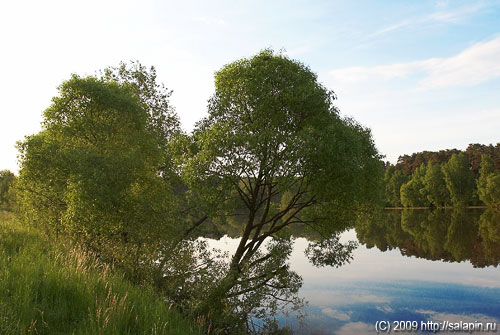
[(423, 311), (385, 309), (330, 297), (337, 314), (355, 328)]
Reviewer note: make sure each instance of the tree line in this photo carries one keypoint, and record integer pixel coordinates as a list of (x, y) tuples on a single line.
[(445, 178), (113, 171)]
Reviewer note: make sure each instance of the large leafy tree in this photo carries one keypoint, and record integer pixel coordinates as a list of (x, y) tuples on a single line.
[(93, 171), (275, 149)]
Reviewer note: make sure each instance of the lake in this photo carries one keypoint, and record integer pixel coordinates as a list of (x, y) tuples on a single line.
[(419, 266)]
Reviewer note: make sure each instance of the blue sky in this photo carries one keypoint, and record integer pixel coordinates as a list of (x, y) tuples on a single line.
[(423, 75)]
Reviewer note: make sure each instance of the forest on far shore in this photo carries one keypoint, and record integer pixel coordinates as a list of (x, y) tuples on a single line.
[(445, 178)]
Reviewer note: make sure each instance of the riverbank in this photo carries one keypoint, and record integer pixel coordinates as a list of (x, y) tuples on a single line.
[(50, 287)]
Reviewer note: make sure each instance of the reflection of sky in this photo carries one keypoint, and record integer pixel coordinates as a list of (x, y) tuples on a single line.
[(388, 286)]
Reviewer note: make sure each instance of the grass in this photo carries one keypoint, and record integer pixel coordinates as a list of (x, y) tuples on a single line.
[(53, 288)]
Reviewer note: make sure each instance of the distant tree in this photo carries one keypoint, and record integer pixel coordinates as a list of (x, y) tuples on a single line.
[(394, 179), (409, 163), (413, 193), (475, 152), (488, 183), (459, 180), (435, 186), (7, 178)]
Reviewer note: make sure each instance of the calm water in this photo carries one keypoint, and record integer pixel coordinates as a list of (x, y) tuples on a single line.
[(409, 266)]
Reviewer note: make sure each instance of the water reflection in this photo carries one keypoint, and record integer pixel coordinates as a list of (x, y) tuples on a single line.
[(448, 235), (436, 266)]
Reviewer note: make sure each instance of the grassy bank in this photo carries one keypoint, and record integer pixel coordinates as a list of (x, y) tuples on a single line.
[(52, 288)]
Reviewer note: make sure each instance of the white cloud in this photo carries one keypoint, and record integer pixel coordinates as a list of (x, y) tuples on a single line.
[(438, 17), (355, 328), (334, 313), (357, 74), (455, 16), (474, 65)]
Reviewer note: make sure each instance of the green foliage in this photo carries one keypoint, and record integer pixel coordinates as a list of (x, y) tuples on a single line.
[(459, 180), (163, 122), (49, 287), (274, 145), (394, 179), (488, 183), (414, 193), (7, 179), (435, 186), (93, 173)]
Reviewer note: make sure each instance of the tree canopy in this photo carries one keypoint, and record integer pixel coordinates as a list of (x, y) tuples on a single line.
[(93, 172)]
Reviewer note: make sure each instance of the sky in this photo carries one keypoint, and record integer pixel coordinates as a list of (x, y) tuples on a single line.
[(422, 75)]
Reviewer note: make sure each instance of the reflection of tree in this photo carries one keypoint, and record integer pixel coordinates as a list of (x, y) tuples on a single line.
[(489, 232), (462, 235), (381, 231), (451, 236), (427, 231)]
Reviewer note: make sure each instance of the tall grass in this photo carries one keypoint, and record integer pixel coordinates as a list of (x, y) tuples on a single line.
[(53, 288)]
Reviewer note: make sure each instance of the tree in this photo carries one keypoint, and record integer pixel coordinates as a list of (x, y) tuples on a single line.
[(408, 164), (413, 193), (435, 186), (93, 172), (273, 129), (475, 151), (394, 179), (488, 183), (459, 180)]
